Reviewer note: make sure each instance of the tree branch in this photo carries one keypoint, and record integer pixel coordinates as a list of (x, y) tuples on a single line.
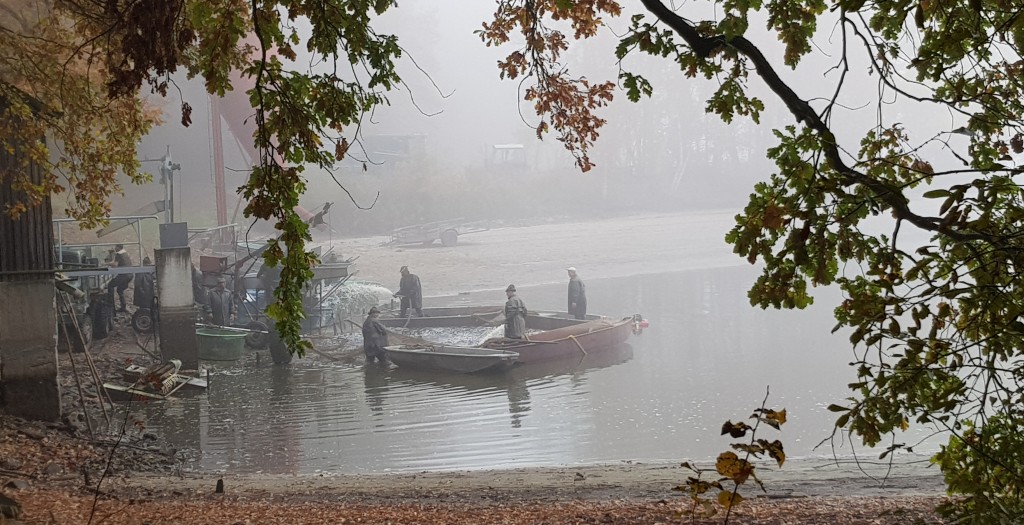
[(804, 113)]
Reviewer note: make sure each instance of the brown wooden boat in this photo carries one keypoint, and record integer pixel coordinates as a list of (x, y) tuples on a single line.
[(579, 339), (555, 335)]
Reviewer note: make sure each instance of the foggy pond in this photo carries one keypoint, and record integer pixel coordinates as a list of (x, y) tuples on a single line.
[(707, 357)]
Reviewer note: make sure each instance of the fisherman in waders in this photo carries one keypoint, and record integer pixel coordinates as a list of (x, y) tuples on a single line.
[(577, 295), (515, 314), (375, 338), (411, 293)]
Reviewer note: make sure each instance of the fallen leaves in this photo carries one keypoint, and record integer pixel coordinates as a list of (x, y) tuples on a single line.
[(44, 506)]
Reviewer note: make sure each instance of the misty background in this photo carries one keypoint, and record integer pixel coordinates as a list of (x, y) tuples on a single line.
[(458, 142)]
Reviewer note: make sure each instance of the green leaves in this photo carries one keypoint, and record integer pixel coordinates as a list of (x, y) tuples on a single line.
[(795, 23), (301, 116), (635, 86)]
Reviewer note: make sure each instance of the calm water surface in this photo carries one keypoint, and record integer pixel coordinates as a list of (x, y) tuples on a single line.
[(707, 357)]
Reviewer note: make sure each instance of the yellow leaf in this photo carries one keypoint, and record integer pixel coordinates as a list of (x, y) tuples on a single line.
[(779, 416), (728, 499), (732, 467)]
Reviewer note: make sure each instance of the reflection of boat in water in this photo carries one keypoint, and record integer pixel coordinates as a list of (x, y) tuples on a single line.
[(514, 383), (555, 335), (520, 374), (458, 359), (611, 356)]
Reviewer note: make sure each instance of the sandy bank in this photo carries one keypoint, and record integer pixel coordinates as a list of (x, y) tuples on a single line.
[(627, 480)]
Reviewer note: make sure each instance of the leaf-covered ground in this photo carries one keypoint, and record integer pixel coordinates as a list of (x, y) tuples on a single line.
[(48, 506), (43, 467)]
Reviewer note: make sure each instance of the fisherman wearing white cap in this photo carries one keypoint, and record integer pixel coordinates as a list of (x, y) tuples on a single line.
[(515, 314), (577, 295)]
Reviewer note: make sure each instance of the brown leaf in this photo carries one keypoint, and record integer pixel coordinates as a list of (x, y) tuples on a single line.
[(341, 148), (186, 114)]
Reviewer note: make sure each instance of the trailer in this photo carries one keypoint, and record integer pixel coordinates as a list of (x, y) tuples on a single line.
[(447, 232), (84, 275)]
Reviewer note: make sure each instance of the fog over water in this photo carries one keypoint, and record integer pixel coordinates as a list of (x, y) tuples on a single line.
[(706, 358)]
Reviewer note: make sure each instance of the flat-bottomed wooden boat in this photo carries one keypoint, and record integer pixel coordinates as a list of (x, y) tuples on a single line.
[(460, 359)]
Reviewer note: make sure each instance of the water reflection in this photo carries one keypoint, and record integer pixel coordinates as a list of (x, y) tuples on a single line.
[(375, 381), (707, 357), (515, 383)]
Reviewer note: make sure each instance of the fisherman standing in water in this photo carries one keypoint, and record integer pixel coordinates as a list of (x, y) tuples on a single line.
[(515, 314)]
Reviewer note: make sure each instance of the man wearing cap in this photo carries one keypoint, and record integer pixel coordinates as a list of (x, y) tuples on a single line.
[(515, 314), (220, 304), (577, 295), (375, 337), (410, 292)]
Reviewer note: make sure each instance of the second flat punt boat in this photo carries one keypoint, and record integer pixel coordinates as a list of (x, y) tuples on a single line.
[(460, 359)]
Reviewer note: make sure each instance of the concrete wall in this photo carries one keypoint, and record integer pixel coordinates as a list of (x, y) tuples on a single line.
[(176, 305), (28, 349)]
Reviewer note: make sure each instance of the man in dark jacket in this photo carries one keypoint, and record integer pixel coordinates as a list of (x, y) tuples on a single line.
[(410, 292), (375, 337), (120, 282), (577, 295), (220, 304)]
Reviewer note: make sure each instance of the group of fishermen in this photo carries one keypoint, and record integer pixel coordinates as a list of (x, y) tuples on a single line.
[(375, 335)]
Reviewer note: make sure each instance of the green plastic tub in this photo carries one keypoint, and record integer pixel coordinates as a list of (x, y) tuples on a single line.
[(220, 345)]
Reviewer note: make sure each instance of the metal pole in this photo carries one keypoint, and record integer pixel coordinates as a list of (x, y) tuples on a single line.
[(60, 247), (166, 172), (170, 177)]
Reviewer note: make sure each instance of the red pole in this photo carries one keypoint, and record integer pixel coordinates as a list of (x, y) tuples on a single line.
[(218, 161)]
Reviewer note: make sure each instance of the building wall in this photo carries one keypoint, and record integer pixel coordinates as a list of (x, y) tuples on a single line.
[(28, 319), (26, 243), (28, 350)]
